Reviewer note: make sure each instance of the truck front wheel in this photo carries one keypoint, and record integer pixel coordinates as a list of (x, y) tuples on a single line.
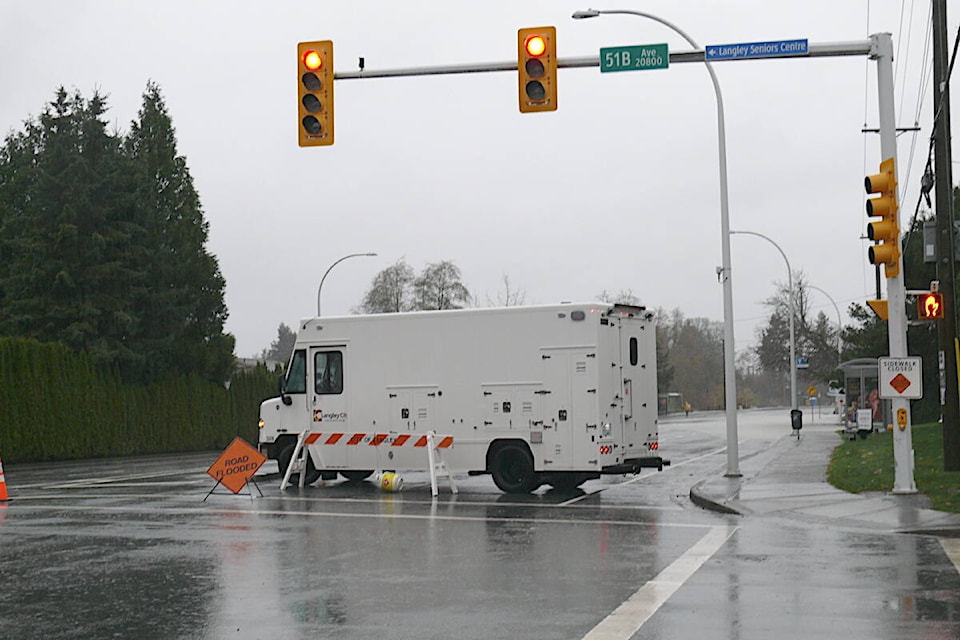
[(512, 468), (283, 461)]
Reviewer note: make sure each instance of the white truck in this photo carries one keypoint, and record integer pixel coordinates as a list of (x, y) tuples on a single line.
[(552, 394)]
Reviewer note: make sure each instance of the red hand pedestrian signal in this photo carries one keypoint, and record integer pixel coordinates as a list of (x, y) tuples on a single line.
[(930, 306)]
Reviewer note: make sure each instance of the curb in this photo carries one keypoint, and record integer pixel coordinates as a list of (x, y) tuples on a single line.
[(703, 501)]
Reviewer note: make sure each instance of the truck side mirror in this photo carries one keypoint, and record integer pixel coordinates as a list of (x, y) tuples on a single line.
[(284, 398)]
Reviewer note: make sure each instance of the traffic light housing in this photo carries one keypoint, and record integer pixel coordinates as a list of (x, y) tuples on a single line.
[(930, 306), (315, 93), (537, 69), (886, 231)]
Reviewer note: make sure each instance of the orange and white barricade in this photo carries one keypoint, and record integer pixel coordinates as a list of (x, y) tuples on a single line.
[(431, 442)]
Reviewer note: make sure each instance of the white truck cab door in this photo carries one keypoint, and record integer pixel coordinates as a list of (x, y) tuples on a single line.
[(328, 388)]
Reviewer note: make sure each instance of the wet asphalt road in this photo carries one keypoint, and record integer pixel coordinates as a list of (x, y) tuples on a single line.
[(129, 549)]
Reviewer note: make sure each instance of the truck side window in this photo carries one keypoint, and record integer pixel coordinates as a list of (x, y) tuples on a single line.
[(296, 381), (328, 366), (634, 353)]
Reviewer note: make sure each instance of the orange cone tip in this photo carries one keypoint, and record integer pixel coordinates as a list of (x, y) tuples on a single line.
[(3, 486)]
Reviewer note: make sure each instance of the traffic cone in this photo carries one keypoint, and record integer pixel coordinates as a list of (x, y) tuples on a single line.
[(3, 486)]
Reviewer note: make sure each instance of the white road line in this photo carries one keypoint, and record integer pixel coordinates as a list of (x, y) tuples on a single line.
[(951, 547), (88, 508), (88, 482), (627, 619), (453, 502)]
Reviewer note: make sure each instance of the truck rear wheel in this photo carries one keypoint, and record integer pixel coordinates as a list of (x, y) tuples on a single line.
[(512, 468), (283, 461)]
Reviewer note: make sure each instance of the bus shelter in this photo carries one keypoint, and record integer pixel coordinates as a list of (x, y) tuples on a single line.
[(865, 411)]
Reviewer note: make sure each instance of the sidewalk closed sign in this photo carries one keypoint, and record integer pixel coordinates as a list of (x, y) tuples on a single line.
[(236, 465), (901, 378)]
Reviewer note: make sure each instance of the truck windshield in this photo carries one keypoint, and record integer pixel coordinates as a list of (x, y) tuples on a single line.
[(296, 381)]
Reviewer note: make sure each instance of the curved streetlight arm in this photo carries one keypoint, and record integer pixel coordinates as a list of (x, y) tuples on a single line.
[(330, 268), (793, 337), (729, 352), (839, 320)]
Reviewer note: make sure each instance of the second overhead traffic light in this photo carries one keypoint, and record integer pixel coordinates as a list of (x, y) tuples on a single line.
[(537, 69), (315, 93), (886, 231)]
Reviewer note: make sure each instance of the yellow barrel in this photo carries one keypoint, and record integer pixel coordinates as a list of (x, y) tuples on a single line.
[(390, 481)]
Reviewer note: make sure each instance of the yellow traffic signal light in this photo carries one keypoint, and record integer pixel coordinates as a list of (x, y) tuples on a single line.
[(315, 93), (537, 69), (930, 306), (885, 231)]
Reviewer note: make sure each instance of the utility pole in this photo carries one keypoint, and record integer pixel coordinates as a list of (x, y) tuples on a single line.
[(946, 264)]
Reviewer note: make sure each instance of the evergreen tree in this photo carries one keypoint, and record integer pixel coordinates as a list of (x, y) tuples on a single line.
[(281, 348), (102, 243), (183, 311)]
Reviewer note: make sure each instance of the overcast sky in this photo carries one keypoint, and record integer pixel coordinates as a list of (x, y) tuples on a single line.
[(618, 189)]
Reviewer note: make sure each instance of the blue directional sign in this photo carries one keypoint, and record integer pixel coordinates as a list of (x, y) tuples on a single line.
[(747, 50)]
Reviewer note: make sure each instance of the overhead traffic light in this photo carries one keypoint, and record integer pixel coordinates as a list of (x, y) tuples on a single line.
[(886, 231), (315, 93), (930, 306), (537, 69)]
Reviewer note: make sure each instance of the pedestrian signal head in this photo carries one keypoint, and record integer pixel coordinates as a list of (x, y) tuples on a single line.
[(930, 306)]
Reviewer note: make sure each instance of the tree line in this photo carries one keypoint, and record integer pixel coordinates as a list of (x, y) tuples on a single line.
[(103, 242), (112, 309), (58, 404)]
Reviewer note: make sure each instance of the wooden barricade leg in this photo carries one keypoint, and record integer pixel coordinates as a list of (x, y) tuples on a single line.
[(437, 464)]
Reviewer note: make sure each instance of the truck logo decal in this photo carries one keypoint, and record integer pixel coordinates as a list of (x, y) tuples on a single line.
[(320, 416)]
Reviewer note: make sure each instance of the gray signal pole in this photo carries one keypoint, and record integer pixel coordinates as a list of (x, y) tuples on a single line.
[(903, 481)]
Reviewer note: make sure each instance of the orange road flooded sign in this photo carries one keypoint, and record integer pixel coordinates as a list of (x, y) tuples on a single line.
[(236, 465)]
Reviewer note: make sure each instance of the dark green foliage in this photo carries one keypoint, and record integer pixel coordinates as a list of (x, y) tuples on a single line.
[(690, 352), (281, 348), (868, 465), (56, 404), (102, 243)]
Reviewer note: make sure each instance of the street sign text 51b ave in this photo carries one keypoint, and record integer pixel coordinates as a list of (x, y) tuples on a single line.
[(634, 58)]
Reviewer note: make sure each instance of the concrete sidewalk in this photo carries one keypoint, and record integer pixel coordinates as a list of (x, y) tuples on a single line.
[(789, 480)]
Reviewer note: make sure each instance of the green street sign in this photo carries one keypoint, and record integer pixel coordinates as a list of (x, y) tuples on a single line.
[(638, 58)]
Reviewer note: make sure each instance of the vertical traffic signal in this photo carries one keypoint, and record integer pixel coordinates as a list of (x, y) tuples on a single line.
[(886, 231), (930, 306), (315, 93), (537, 69)]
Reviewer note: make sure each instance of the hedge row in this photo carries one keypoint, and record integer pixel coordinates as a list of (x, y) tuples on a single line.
[(56, 404)]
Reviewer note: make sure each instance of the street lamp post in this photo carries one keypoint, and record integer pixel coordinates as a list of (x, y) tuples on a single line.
[(330, 268), (793, 337), (725, 273), (839, 320)]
